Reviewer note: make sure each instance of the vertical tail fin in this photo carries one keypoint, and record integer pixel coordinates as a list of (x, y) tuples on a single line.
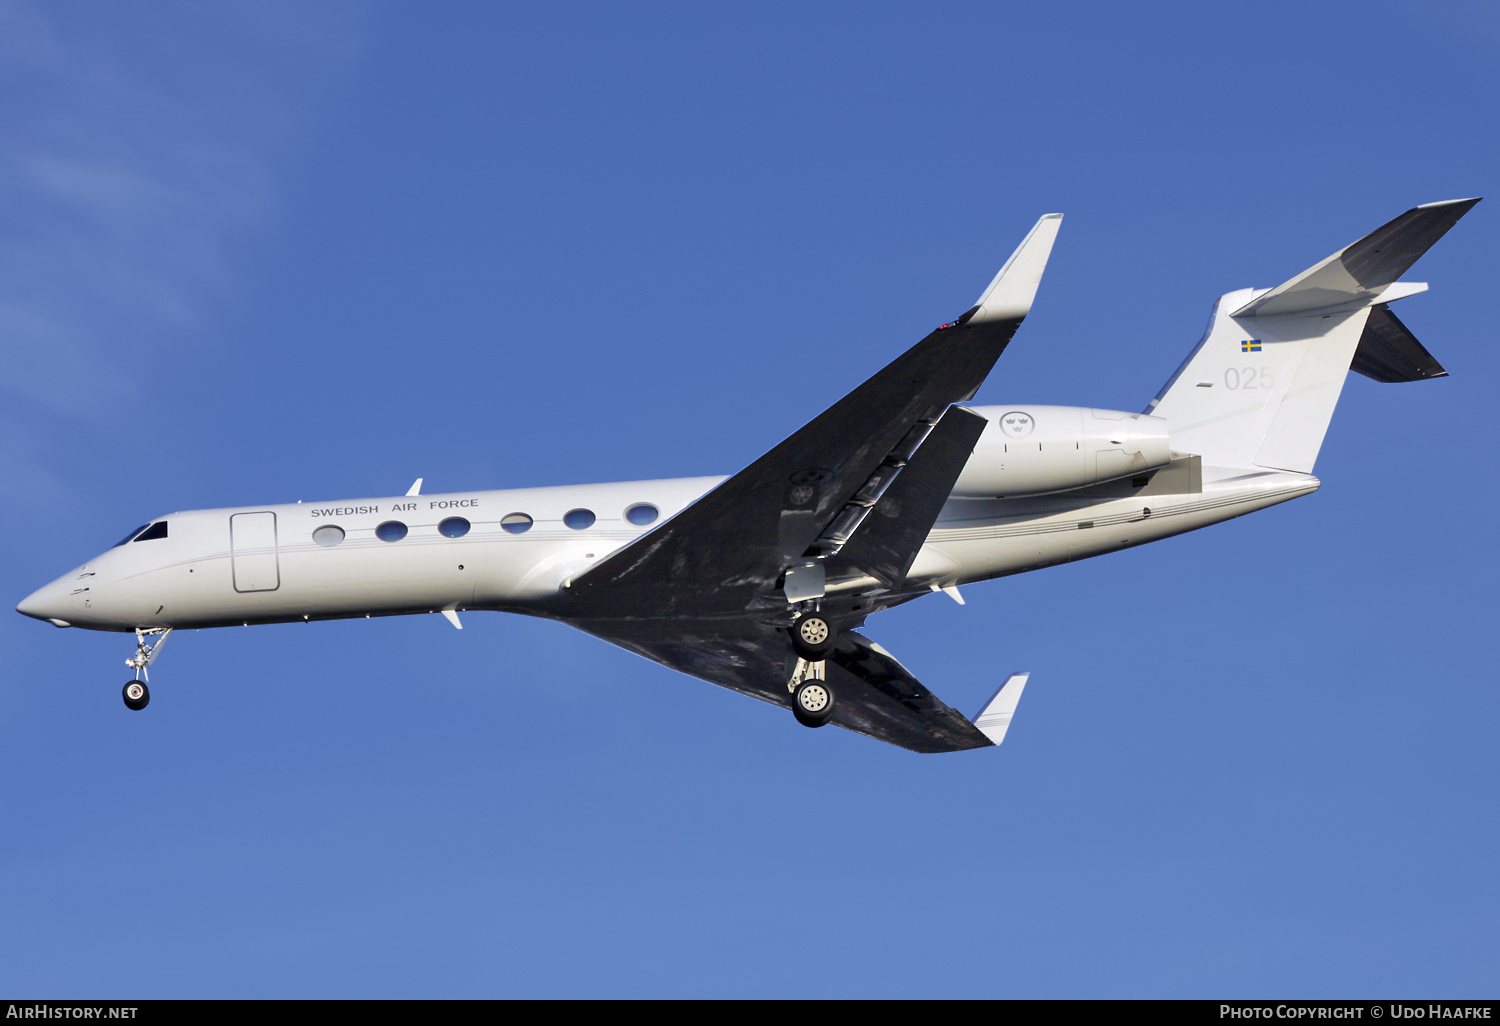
[(1261, 386)]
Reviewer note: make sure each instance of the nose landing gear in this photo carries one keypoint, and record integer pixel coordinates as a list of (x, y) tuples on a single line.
[(136, 693)]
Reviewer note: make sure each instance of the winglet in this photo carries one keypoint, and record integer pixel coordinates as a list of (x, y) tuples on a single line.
[(1010, 295), (416, 487), (994, 719)]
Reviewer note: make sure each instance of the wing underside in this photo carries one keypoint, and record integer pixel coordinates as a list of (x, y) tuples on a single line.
[(877, 696)]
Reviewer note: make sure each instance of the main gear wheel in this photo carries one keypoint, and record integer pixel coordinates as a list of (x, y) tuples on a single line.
[(813, 703), (813, 637)]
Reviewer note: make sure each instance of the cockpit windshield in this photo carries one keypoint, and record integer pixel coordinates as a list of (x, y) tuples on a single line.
[(133, 532)]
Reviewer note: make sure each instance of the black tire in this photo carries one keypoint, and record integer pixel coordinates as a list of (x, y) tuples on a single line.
[(141, 695), (813, 636), (813, 703)]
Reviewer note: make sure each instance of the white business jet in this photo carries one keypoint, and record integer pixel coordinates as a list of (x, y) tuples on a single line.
[(759, 581)]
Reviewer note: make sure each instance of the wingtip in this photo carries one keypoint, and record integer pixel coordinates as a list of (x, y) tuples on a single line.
[(994, 719), (1012, 291)]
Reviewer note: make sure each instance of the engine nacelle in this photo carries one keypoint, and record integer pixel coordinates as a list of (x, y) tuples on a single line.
[(1034, 450)]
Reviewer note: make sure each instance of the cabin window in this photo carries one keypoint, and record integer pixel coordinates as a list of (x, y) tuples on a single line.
[(453, 527), (578, 519), (328, 535), (132, 534), (642, 513), (156, 530), (391, 531), (515, 523)]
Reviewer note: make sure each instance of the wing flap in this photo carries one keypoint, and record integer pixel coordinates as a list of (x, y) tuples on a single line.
[(891, 536)]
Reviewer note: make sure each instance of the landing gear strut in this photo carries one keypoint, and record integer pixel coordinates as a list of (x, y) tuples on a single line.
[(136, 693)]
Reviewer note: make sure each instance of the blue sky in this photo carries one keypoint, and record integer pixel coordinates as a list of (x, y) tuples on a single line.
[(260, 253)]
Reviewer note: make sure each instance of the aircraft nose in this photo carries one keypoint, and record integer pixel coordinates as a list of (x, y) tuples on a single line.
[(47, 603)]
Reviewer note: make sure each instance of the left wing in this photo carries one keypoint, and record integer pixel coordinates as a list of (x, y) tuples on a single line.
[(726, 552), (877, 696)]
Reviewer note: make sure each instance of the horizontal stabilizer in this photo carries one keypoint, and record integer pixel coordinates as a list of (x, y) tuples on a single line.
[(994, 719), (1388, 351), (1360, 272)]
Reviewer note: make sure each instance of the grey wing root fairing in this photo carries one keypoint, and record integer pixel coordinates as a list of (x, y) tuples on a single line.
[(877, 696)]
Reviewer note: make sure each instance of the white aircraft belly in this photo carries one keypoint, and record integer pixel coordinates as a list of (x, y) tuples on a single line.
[(988, 539)]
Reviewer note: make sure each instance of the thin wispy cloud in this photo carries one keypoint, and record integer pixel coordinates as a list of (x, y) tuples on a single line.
[(137, 144)]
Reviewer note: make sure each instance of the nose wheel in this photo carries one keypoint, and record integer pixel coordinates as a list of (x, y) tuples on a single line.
[(137, 695), (148, 642)]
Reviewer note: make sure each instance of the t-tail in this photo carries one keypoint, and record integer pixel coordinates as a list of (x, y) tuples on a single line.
[(1260, 388)]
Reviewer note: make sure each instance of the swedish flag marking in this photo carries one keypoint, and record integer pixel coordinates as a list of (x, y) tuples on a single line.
[(1250, 345)]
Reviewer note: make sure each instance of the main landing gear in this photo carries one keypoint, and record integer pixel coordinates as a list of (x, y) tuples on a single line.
[(813, 637), (148, 642), (813, 701)]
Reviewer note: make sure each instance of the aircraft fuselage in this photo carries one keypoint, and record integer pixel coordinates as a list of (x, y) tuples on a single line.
[(262, 564)]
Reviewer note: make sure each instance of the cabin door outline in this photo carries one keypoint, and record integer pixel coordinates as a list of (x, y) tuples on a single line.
[(252, 547)]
